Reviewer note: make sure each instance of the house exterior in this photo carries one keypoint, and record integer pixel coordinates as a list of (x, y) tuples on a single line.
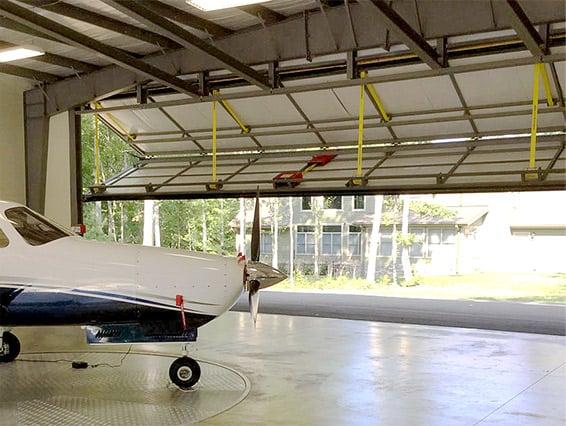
[(500, 232), (331, 236)]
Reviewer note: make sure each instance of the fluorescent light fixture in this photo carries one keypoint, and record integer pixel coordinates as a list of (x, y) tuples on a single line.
[(15, 53), (208, 5)]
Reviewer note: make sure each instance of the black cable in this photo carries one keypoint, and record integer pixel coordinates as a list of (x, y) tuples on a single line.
[(105, 364), (81, 364)]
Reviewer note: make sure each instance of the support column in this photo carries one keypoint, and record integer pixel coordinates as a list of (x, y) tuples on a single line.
[(75, 159), (36, 135)]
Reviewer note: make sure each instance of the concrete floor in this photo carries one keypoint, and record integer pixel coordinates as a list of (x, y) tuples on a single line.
[(319, 371), (515, 316)]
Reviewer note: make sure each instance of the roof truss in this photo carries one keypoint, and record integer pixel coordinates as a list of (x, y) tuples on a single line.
[(407, 34), (67, 35), (188, 40), (87, 16), (525, 29)]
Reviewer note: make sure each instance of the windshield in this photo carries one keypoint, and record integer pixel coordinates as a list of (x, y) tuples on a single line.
[(35, 229)]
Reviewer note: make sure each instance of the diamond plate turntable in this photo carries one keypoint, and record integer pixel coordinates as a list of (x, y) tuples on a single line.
[(115, 389)]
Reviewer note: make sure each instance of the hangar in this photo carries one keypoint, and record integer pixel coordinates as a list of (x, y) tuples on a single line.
[(302, 98)]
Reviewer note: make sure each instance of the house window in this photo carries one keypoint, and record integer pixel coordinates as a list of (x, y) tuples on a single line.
[(417, 248), (385, 243), (305, 239), (333, 202), (359, 202), (439, 237), (266, 243), (355, 240), (332, 239), (306, 203)]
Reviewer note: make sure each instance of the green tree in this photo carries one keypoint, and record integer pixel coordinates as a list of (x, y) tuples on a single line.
[(182, 223)]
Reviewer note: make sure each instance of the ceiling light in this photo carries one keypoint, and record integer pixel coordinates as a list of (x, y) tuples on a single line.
[(15, 53), (207, 5)]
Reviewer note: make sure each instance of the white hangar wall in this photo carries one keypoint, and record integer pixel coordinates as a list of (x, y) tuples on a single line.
[(58, 186), (12, 155), (12, 152)]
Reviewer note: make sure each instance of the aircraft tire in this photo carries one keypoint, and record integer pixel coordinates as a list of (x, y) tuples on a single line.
[(184, 372), (11, 347)]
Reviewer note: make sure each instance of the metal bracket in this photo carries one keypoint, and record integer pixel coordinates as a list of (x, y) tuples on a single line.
[(98, 189), (532, 174), (214, 186), (357, 181)]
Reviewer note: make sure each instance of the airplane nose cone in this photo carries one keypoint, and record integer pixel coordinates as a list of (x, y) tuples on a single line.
[(265, 274)]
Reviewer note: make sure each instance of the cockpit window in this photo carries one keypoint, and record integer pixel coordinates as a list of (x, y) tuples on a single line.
[(4, 241), (35, 229)]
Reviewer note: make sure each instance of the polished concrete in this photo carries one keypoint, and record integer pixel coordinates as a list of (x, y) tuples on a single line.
[(320, 371), (486, 315)]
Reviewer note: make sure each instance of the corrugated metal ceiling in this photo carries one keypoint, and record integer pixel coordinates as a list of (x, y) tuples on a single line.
[(453, 77)]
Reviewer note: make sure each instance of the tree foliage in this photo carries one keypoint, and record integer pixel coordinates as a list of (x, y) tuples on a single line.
[(181, 220), (428, 210)]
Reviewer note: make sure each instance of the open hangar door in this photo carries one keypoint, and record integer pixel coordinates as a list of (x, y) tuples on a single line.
[(294, 97), (448, 105), (297, 98)]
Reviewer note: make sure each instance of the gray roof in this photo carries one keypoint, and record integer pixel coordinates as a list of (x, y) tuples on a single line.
[(464, 216)]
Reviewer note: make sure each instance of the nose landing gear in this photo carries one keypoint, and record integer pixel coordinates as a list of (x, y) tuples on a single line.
[(184, 372), (9, 347)]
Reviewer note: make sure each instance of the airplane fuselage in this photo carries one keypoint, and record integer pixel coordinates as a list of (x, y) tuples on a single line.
[(70, 280)]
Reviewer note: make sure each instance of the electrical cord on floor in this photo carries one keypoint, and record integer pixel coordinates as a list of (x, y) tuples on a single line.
[(81, 364), (105, 364)]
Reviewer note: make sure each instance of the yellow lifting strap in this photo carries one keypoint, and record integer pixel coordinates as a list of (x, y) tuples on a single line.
[(546, 84), (214, 137), (534, 117), (97, 178), (115, 121), (361, 126), (376, 99), (533, 172), (233, 114)]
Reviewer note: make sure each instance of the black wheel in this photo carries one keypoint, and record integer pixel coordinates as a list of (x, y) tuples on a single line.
[(10, 347), (184, 372)]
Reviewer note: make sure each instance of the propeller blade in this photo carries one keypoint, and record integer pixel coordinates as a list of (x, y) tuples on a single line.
[(254, 299), (255, 231)]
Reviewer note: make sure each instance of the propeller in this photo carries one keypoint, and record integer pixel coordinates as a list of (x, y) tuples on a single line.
[(259, 275), (255, 231), (254, 284)]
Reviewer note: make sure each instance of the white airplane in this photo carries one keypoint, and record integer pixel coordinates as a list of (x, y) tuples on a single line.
[(120, 293)]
